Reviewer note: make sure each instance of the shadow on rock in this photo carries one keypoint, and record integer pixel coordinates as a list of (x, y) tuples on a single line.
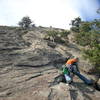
[(78, 90), (84, 90)]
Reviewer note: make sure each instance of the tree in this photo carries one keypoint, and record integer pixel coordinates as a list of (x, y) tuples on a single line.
[(75, 24), (25, 22)]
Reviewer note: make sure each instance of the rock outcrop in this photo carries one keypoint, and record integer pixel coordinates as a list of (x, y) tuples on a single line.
[(28, 67)]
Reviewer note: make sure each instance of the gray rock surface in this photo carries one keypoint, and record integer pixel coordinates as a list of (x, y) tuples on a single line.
[(28, 66)]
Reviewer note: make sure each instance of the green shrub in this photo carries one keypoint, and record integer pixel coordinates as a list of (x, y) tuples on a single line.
[(85, 27), (83, 38), (64, 33), (54, 33), (57, 36), (88, 36), (74, 29), (93, 55)]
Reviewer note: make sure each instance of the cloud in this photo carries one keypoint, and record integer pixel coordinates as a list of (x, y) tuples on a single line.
[(43, 12), (56, 13)]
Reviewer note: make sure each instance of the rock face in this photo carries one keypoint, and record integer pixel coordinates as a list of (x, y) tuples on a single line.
[(28, 67)]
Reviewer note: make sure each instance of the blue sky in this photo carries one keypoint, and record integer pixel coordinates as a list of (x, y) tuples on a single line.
[(56, 13)]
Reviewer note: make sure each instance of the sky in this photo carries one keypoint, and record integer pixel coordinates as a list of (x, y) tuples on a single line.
[(55, 13)]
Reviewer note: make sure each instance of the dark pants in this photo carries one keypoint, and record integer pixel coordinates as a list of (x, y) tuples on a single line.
[(74, 70), (86, 81)]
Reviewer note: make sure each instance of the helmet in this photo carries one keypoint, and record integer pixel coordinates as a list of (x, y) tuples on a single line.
[(76, 58)]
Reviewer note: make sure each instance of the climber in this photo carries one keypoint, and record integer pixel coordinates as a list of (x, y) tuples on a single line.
[(68, 68), (72, 64), (71, 68)]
